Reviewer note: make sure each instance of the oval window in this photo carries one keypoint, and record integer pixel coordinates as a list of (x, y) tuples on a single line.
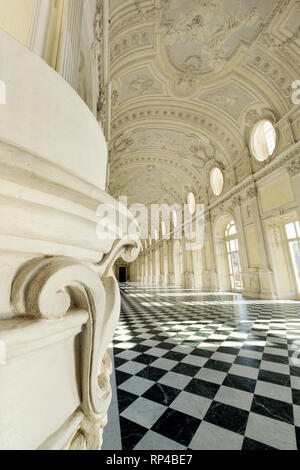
[(263, 140), (191, 202), (216, 181)]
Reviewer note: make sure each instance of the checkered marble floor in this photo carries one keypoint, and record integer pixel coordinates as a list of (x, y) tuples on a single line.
[(207, 371)]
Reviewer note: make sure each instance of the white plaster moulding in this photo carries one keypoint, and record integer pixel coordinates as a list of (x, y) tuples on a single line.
[(22, 336)]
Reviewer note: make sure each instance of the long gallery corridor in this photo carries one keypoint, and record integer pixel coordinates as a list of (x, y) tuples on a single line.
[(201, 370)]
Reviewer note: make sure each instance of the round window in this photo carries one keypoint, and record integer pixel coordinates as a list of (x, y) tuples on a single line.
[(263, 140), (216, 181)]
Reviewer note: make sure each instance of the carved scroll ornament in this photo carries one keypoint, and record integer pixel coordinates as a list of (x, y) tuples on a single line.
[(50, 287)]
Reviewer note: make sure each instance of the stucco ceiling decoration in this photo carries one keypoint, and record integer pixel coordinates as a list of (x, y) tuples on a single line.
[(187, 78)]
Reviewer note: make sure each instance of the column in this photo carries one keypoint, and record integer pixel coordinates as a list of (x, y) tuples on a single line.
[(210, 272), (266, 281), (188, 268), (171, 268), (68, 64), (154, 271), (161, 265)]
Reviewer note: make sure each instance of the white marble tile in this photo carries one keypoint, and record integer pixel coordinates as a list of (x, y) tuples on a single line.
[(276, 351), (136, 385), (132, 367), (275, 367), (234, 397), (295, 382), (195, 360), (275, 391), (144, 412), (271, 432), (166, 364), (297, 415), (210, 375), (183, 349), (156, 352), (154, 441), (244, 371), (251, 354), (150, 342), (174, 380), (129, 355), (211, 437), (217, 356), (191, 404)]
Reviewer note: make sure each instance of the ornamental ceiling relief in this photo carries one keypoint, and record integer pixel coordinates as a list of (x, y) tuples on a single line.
[(186, 75)]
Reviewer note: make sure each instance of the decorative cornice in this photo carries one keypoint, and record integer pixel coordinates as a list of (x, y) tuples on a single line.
[(294, 167)]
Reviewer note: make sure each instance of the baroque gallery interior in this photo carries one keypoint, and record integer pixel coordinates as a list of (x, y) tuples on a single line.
[(150, 225)]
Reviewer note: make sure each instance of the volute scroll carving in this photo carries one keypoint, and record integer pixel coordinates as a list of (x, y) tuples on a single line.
[(51, 287)]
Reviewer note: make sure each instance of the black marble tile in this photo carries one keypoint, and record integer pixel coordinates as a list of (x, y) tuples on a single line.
[(218, 365), (166, 346), (160, 338), (118, 350), (202, 388), (121, 377), (174, 356), (139, 348), (297, 431), (241, 383), (247, 361), (177, 426), (274, 378), (228, 350), (202, 352), (248, 347), (295, 371), (186, 369), (161, 394), (119, 361), (152, 373), (125, 399), (250, 444), (296, 396), (275, 358), (131, 433), (273, 344), (274, 409), (227, 417), (145, 359)]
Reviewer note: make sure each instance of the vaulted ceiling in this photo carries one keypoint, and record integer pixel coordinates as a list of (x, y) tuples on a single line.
[(189, 79)]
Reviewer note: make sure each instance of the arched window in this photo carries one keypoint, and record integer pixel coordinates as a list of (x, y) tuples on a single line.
[(233, 255), (263, 140), (191, 202), (216, 181), (163, 228), (293, 236), (174, 218)]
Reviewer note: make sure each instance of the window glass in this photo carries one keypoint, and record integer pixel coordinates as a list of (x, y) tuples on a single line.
[(263, 140), (216, 181), (191, 202)]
